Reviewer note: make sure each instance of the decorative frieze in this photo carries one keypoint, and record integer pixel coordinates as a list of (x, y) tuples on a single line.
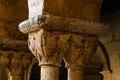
[(68, 32)]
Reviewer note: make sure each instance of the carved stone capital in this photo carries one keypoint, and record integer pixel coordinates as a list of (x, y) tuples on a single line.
[(46, 47), (82, 47), (19, 62)]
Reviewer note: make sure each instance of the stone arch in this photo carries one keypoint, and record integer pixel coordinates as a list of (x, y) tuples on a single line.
[(34, 61), (104, 56), (62, 72)]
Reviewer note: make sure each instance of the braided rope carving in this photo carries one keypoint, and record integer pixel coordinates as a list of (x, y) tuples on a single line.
[(62, 24)]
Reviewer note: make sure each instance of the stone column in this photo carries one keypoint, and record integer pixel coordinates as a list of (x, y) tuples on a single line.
[(81, 48), (3, 64), (18, 64), (61, 33), (45, 47), (107, 75), (76, 74)]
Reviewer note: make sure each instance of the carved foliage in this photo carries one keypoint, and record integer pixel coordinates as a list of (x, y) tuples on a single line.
[(45, 47), (81, 48), (50, 47)]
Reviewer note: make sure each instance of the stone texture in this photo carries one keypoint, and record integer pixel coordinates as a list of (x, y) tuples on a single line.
[(4, 61), (35, 7), (18, 64), (51, 46), (45, 47), (76, 74), (49, 73)]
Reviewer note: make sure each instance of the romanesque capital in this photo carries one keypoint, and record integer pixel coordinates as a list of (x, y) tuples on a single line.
[(18, 63), (82, 47), (45, 47)]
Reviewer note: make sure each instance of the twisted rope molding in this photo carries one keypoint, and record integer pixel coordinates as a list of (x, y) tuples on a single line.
[(62, 24)]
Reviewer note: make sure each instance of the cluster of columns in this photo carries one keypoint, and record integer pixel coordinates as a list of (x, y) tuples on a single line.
[(16, 63), (51, 47), (52, 39)]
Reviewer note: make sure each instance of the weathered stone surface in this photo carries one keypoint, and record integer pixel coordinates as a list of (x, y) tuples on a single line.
[(49, 73), (35, 7), (18, 64), (62, 24), (45, 47), (76, 74)]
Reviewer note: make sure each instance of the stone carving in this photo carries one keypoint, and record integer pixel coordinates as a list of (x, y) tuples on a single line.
[(32, 24), (81, 48), (44, 45), (50, 47), (57, 23), (18, 63)]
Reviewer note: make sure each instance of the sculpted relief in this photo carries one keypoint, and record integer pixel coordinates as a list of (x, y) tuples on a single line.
[(51, 47)]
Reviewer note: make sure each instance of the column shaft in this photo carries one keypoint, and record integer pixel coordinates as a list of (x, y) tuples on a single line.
[(15, 77), (75, 74), (49, 73)]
